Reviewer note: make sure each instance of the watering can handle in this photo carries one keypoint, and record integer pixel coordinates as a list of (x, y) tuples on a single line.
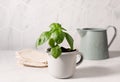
[(114, 36)]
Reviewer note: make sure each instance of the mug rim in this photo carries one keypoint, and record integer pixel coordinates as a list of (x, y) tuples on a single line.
[(66, 53), (72, 52)]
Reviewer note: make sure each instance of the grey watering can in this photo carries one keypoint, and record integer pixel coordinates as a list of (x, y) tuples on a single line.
[(94, 44)]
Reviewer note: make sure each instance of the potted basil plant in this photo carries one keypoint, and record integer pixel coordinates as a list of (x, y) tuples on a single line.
[(61, 60)]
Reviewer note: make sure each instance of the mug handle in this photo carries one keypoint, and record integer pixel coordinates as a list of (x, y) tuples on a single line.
[(114, 36), (80, 58)]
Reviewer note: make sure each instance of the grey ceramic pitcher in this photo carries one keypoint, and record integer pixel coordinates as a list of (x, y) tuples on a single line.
[(94, 43)]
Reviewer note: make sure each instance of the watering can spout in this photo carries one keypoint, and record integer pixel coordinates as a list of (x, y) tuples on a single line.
[(81, 32)]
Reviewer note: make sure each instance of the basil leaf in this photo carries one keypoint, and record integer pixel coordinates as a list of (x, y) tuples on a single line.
[(43, 38), (56, 51), (58, 36), (51, 42), (63, 29), (55, 26), (69, 40)]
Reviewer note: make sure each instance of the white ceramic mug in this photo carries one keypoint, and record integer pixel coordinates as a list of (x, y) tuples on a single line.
[(65, 65)]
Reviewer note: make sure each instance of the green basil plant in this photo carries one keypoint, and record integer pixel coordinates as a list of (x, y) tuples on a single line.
[(55, 37)]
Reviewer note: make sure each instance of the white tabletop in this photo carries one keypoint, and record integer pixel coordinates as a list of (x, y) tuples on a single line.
[(107, 70)]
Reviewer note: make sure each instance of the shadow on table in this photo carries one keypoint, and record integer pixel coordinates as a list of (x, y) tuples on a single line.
[(92, 72), (114, 54), (98, 71)]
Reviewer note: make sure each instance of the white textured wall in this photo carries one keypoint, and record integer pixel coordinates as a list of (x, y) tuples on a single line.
[(21, 21)]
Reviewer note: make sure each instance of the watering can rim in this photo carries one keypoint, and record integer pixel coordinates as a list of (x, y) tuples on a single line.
[(93, 29)]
